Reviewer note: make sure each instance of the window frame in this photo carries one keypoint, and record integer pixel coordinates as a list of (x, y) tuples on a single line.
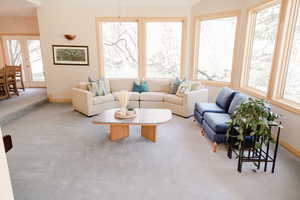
[(141, 22), (249, 40), (196, 42), (183, 41), (99, 39), (291, 10), (281, 58)]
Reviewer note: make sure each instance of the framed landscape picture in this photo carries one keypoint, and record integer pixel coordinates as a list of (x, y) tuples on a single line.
[(70, 55)]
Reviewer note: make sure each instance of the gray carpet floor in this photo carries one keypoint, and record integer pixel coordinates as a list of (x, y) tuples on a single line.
[(60, 155), (17, 106)]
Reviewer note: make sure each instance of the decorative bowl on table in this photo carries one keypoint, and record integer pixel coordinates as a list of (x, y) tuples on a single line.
[(125, 115)]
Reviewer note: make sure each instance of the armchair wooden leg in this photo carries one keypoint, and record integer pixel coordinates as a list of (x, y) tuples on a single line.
[(214, 147), (202, 132)]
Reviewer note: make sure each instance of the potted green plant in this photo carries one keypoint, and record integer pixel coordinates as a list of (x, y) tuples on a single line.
[(252, 118)]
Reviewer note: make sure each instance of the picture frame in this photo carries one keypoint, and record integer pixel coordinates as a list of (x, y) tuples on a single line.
[(70, 55)]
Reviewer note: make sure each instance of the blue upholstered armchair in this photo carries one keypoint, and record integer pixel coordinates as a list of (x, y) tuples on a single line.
[(213, 117)]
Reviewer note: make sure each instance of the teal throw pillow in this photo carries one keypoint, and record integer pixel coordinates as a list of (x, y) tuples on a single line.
[(140, 87)]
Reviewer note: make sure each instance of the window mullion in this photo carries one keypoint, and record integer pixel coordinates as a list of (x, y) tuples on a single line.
[(252, 27), (141, 39), (277, 54)]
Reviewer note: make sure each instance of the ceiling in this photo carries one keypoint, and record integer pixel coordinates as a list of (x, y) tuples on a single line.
[(28, 7)]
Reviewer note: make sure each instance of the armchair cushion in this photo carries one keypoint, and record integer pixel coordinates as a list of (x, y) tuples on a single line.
[(208, 107), (172, 98), (237, 101), (225, 97), (212, 135), (103, 99), (217, 121)]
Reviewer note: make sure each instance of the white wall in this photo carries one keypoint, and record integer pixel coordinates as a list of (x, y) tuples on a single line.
[(11, 25), (5, 184), (56, 21)]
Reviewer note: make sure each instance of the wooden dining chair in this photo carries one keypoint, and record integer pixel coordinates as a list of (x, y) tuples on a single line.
[(19, 74), (4, 93), (11, 81)]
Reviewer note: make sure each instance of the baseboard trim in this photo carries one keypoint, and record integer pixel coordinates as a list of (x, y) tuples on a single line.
[(59, 100), (290, 148)]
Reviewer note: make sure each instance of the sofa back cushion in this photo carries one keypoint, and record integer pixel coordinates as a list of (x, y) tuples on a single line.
[(225, 97), (119, 84), (174, 85), (238, 99), (159, 85)]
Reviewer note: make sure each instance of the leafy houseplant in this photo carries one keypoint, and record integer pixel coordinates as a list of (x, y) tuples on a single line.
[(252, 118)]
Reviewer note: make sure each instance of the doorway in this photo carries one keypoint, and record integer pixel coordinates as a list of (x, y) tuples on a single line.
[(26, 51)]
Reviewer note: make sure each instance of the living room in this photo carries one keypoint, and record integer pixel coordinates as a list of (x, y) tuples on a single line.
[(186, 58)]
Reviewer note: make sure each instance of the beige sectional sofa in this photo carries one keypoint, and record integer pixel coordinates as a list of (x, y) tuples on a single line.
[(158, 97)]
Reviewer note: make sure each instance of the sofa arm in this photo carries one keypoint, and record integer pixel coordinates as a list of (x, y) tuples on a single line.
[(191, 98), (82, 101)]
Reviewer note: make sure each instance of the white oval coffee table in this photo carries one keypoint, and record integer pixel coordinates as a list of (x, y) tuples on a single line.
[(148, 119)]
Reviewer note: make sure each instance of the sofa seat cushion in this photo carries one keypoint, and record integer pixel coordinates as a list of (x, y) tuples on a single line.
[(208, 107), (172, 98), (152, 96), (133, 96), (103, 99), (217, 121)]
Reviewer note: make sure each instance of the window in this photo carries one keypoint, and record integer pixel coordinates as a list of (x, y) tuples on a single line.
[(290, 80), (14, 52), (35, 59), (215, 45), (163, 49), (120, 49), (141, 47), (262, 36)]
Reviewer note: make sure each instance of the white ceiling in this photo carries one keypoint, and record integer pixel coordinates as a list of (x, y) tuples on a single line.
[(28, 7), (119, 2)]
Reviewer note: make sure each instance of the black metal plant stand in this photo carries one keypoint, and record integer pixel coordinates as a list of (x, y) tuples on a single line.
[(249, 153)]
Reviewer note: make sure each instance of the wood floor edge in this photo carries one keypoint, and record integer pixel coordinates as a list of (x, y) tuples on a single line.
[(59, 100), (290, 148)]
